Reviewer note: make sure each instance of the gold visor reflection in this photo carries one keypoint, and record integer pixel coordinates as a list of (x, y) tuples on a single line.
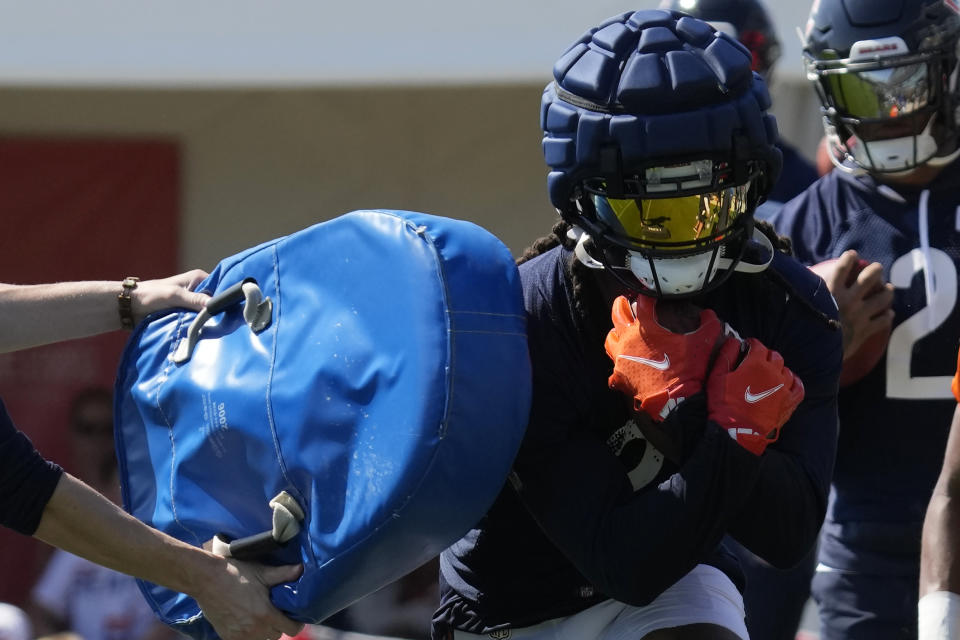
[(685, 219)]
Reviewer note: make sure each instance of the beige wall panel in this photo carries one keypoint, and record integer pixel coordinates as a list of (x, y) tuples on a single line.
[(259, 164), (296, 158)]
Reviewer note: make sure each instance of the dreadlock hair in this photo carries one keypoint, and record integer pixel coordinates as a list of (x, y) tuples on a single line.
[(780, 243), (557, 236), (579, 273)]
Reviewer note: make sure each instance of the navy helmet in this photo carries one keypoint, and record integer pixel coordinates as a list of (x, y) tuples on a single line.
[(886, 75), (745, 20), (660, 147)]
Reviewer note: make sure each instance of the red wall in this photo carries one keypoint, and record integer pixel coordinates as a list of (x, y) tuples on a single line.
[(75, 209)]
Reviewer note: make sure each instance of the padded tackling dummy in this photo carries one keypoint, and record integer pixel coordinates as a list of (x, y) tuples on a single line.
[(384, 387)]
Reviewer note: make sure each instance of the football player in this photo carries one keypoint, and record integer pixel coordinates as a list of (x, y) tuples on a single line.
[(886, 74), (684, 368)]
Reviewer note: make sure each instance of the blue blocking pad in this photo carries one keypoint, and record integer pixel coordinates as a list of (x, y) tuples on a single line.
[(387, 394)]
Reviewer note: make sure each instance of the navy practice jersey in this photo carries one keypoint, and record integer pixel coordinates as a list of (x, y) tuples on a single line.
[(594, 511), (894, 422), (26, 480)]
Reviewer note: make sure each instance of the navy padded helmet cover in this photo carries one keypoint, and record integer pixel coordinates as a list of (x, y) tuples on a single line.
[(654, 85)]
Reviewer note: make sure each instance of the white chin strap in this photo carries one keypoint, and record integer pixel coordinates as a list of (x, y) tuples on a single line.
[(683, 274), (580, 251)]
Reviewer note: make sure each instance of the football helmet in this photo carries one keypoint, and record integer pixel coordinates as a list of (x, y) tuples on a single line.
[(659, 148), (745, 20), (886, 75)]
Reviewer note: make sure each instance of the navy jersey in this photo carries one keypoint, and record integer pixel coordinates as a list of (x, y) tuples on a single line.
[(894, 422), (26, 480), (594, 511)]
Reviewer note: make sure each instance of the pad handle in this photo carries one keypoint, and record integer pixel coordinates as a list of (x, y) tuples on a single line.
[(288, 518), (253, 547), (257, 313)]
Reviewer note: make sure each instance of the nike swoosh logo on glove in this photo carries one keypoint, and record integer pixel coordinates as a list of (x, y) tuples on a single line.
[(662, 365), (752, 398)]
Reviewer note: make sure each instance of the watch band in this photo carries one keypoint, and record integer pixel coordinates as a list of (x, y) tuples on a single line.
[(125, 301)]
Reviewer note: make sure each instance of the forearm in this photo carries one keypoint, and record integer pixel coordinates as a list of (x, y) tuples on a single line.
[(234, 596), (31, 315), (940, 551), (83, 522), (633, 546), (938, 610), (782, 516), (679, 523), (781, 530)]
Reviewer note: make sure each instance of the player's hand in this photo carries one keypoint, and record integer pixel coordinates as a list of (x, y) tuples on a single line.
[(754, 397), (657, 367), (677, 436), (236, 600), (863, 298), (167, 293)]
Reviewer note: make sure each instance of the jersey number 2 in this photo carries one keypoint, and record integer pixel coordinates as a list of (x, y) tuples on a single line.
[(900, 348)]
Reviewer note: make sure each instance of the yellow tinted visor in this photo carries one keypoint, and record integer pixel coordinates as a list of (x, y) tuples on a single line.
[(684, 220), (881, 93)]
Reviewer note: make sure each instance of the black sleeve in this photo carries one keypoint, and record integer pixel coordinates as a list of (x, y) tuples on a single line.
[(781, 518), (632, 546), (27, 480)]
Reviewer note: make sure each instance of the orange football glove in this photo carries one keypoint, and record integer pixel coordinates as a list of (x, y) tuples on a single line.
[(652, 365), (754, 397), (955, 383)]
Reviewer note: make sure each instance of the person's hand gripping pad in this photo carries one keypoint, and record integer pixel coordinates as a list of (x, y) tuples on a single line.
[(751, 394), (655, 366)]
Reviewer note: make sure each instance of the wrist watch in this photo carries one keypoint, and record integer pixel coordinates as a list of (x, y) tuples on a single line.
[(125, 301)]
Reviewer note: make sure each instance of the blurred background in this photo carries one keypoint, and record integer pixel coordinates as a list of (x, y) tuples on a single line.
[(144, 138)]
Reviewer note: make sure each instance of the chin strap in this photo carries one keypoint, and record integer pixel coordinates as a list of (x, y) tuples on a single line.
[(756, 257), (580, 251)]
